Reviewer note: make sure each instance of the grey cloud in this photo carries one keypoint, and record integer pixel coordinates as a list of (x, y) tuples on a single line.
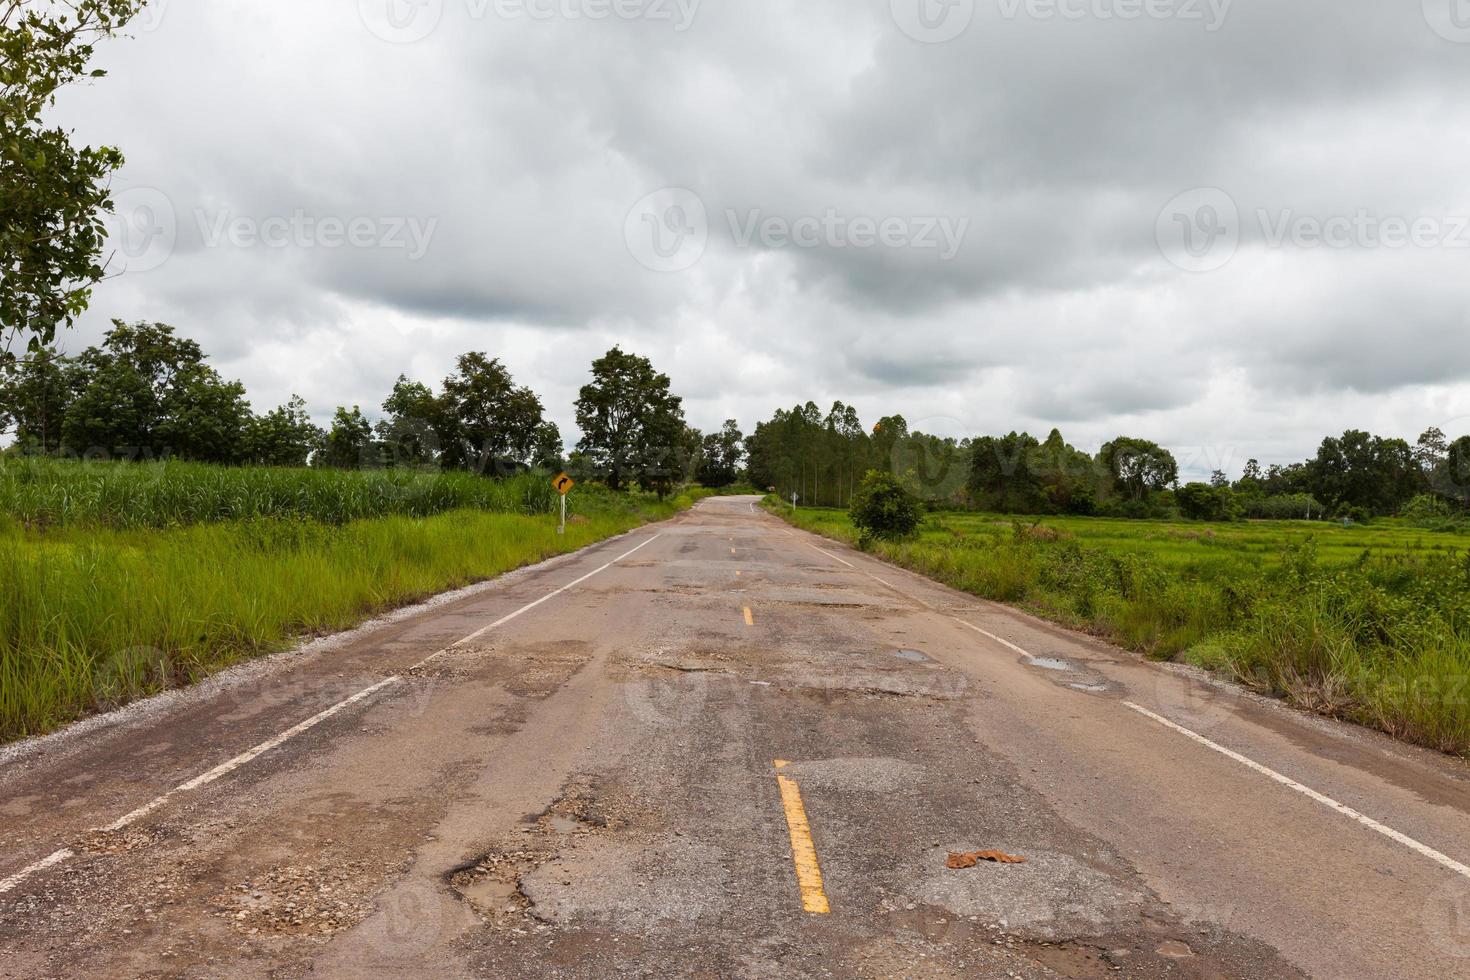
[(528, 143)]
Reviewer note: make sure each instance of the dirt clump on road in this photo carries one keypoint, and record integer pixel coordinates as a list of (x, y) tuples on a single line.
[(296, 900), (957, 861)]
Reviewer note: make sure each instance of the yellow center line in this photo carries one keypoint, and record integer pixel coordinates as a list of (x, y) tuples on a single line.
[(749, 617), (803, 851)]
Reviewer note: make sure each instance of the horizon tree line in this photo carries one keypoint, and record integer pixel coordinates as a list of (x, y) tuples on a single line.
[(146, 393)]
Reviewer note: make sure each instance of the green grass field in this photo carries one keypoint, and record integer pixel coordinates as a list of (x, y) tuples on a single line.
[(1369, 624), (124, 580)]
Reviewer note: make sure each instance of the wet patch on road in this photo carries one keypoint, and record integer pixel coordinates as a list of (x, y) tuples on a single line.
[(1073, 674)]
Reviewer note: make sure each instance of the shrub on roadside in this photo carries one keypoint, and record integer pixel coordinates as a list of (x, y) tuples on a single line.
[(882, 509)]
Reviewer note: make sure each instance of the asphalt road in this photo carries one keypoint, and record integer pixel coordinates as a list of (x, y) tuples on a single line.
[(721, 747)]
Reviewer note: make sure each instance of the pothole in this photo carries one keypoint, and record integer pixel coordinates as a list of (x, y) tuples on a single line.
[(912, 656), (493, 884), (115, 841), (1049, 663)]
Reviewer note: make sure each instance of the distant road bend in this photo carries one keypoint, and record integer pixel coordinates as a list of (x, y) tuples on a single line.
[(722, 747)]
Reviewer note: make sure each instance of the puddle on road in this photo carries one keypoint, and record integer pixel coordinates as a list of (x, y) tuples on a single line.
[(912, 656), (1091, 688), (1048, 663)]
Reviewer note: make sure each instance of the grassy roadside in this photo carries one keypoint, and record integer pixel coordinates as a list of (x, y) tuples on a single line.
[(1381, 639), (94, 617)]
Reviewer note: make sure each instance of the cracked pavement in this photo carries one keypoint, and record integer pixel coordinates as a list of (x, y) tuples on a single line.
[(590, 790)]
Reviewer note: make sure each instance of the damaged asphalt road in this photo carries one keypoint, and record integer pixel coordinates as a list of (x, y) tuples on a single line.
[(656, 772)]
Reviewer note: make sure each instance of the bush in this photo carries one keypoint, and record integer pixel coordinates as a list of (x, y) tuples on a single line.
[(1203, 502), (883, 509)]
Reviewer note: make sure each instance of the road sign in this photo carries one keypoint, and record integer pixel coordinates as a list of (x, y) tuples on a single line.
[(563, 486)]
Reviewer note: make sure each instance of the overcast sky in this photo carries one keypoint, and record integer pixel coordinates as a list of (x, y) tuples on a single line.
[(1232, 227)]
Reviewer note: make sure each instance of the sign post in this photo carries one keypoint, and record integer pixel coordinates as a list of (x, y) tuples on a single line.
[(794, 498), (563, 486)]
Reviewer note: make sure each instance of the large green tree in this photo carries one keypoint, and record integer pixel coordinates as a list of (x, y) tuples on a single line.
[(487, 422), (412, 420), (632, 425), (349, 443), (53, 195), (284, 436), (720, 456), (147, 393), (35, 392), (1138, 467), (1360, 470)]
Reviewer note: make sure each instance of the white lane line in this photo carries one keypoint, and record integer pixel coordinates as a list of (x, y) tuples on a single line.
[(1272, 774), (1307, 791), (831, 556), (225, 768), (40, 865), (1001, 640), (527, 608)]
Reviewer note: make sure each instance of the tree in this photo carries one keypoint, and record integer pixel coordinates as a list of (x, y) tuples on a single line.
[(409, 430), (147, 393), (1000, 473), (1364, 472), (52, 194), (1206, 502), (1431, 449), (285, 436), (884, 509), (349, 444), (631, 424), (1451, 478), (487, 422), (721, 454), (35, 392), (1138, 467), (206, 418), (546, 448)]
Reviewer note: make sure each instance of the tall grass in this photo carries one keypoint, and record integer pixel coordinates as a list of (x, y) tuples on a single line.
[(1382, 638), (118, 581), (43, 493)]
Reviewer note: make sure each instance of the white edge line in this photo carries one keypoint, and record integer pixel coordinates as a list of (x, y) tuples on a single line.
[(1272, 774), (40, 865), (244, 758), (1001, 640), (1321, 798), (529, 606), (831, 556)]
